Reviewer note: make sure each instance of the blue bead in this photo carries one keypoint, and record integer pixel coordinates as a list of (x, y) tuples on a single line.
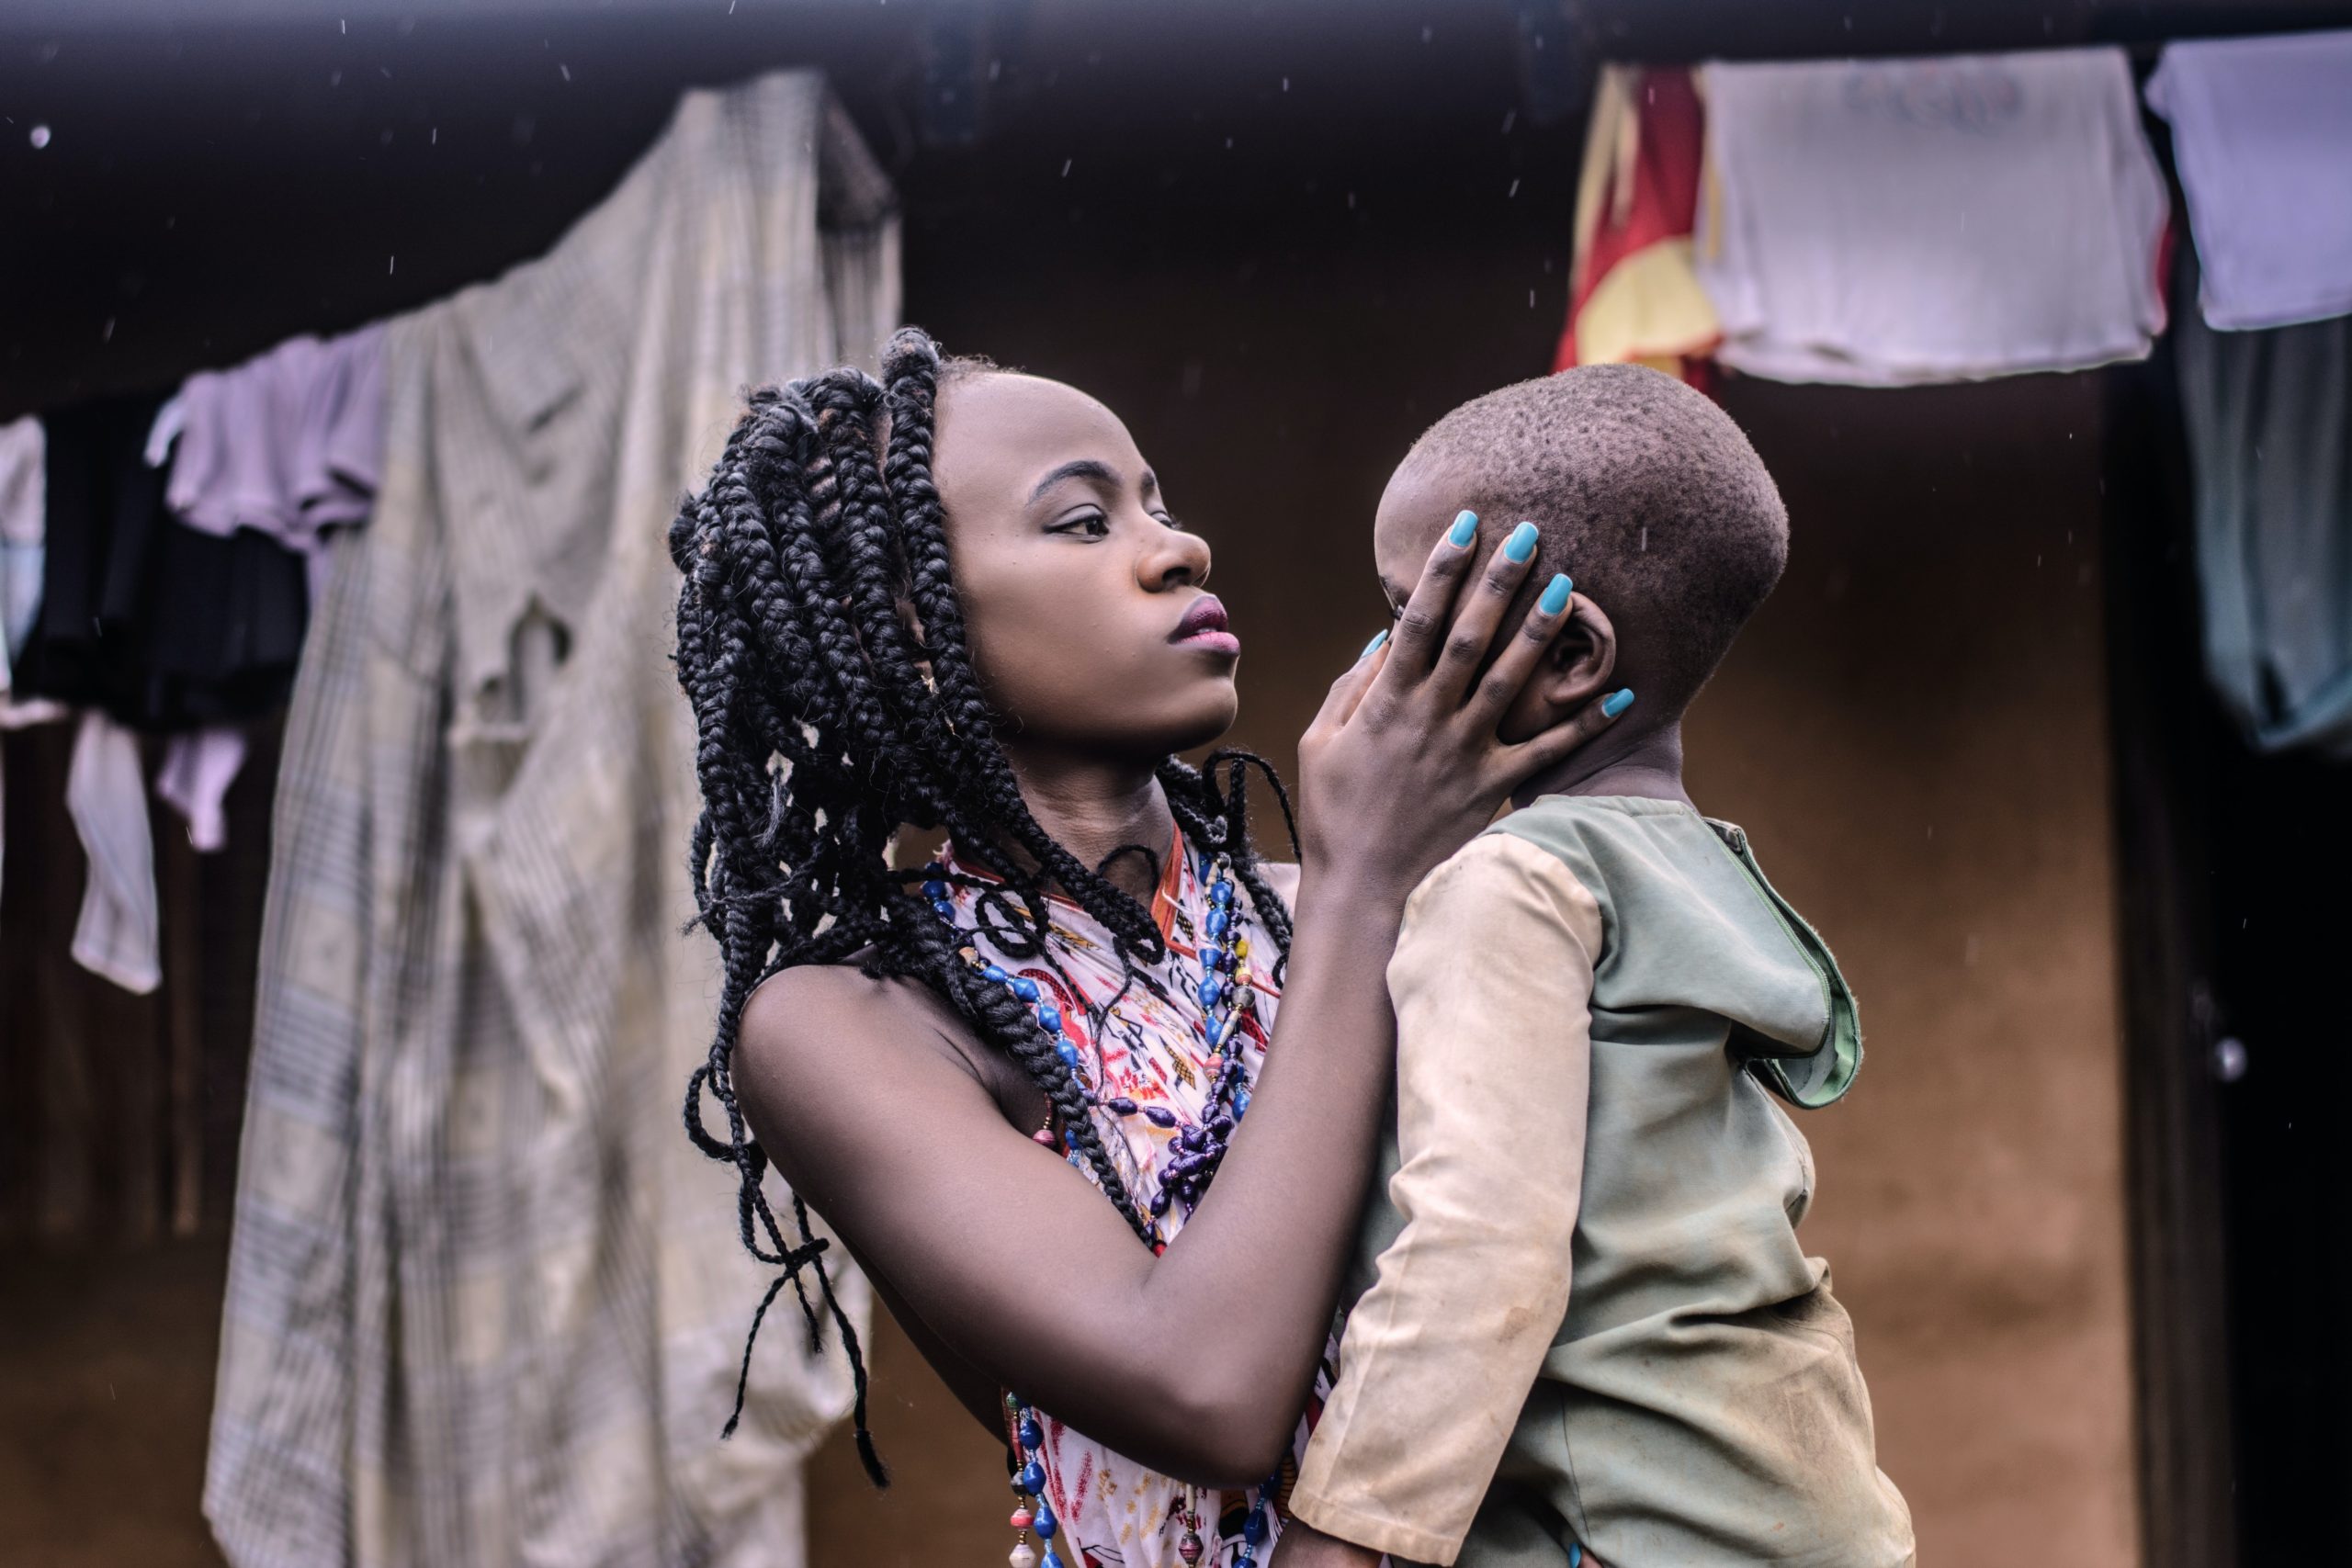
[(1049, 1019), (1024, 988), (1032, 1476), (934, 888), (1217, 922), (1053, 1559), (1032, 1435), (1067, 1052), (1253, 1529), (1221, 894), (1208, 867), (1209, 989), (994, 975), (945, 908), (1045, 1524), (935, 870), (1241, 1102)]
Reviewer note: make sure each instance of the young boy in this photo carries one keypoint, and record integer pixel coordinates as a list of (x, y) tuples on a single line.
[(1593, 1336)]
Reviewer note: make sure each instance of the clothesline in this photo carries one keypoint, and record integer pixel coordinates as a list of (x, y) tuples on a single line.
[(1893, 221)]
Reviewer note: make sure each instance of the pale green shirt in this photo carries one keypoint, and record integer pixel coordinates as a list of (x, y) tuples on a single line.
[(1586, 1318)]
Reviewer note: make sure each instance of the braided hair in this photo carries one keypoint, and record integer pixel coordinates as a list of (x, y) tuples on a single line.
[(824, 722)]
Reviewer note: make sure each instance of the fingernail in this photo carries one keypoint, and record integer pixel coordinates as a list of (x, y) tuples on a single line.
[(1464, 529), (1555, 594), (1374, 646), (1617, 701), (1520, 545)]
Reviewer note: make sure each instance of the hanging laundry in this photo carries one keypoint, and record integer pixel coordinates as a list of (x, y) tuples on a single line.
[(118, 934), (160, 625), (22, 552), (21, 502), (2269, 423), (1890, 221), (287, 444), (2261, 132), (485, 1303), (1633, 292), (195, 778)]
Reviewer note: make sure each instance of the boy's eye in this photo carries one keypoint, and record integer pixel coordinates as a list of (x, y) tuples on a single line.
[(1088, 525)]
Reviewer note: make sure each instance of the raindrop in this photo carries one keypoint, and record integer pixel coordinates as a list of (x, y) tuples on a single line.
[(1531, 299), (1065, 163), (434, 138), (1285, 84), (2229, 1059), (335, 77), (1510, 118), (40, 137), (1645, 542), (1228, 143), (1428, 32), (105, 334), (560, 66), (386, 139), (1512, 192), (341, 25), (390, 263)]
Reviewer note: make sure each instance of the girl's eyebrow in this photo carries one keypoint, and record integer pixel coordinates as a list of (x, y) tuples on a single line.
[(1082, 469)]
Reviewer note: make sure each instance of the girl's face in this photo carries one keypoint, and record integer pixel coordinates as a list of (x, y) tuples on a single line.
[(1082, 596)]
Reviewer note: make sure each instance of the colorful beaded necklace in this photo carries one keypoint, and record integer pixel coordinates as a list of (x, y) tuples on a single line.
[(1225, 993)]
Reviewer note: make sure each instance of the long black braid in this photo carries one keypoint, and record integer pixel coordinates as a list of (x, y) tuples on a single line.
[(824, 723)]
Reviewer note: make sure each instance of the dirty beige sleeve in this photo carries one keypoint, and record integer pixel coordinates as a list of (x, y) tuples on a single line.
[(1492, 980)]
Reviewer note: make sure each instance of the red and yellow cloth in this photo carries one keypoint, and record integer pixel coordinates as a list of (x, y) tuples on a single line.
[(1632, 293)]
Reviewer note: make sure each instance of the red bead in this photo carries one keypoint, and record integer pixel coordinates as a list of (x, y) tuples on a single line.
[(1022, 1518)]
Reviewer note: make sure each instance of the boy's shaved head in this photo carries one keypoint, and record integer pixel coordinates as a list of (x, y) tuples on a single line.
[(1645, 492)]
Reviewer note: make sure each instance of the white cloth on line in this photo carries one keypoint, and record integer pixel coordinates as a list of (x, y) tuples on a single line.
[(289, 442), (432, 1354), (2262, 135), (117, 935), (1892, 222), (199, 768), (22, 498)]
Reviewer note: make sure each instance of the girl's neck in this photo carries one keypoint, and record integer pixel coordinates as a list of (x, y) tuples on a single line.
[(1095, 808)]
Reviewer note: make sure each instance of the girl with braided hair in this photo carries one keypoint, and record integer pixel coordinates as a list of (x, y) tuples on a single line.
[(955, 600)]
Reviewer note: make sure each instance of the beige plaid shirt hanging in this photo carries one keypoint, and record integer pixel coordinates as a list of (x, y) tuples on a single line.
[(485, 1303)]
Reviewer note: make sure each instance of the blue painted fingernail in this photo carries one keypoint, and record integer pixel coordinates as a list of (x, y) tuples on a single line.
[(1520, 545), (1374, 646), (1464, 529), (1617, 701), (1555, 594)]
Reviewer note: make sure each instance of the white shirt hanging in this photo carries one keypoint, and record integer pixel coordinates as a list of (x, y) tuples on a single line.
[(1889, 221)]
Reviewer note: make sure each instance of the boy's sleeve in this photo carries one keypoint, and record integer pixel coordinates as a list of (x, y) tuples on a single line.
[(1492, 981)]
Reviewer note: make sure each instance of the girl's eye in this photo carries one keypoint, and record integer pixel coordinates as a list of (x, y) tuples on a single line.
[(1090, 524), (1169, 521)]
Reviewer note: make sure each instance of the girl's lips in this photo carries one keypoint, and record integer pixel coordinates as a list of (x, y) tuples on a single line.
[(1204, 627)]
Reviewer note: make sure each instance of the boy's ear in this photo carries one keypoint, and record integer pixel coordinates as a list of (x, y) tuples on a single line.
[(1576, 669)]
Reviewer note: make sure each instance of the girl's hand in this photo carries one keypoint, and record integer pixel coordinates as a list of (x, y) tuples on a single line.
[(1404, 763), (1301, 1545)]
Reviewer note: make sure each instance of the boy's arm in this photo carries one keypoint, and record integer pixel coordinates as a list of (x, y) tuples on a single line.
[(1492, 979)]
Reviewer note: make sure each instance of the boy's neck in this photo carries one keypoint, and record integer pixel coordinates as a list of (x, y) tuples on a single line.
[(1648, 763)]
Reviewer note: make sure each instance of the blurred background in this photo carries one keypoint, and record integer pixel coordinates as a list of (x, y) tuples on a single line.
[(2083, 871)]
